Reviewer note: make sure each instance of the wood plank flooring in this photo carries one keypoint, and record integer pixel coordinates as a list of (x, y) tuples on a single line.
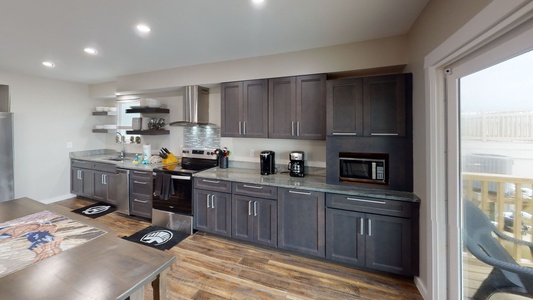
[(211, 267)]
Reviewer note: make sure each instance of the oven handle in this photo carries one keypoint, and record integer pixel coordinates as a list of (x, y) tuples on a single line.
[(181, 177)]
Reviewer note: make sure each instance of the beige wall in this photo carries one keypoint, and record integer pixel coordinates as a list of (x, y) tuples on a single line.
[(438, 21)]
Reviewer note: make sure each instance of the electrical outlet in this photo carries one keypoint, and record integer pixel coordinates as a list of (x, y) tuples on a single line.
[(252, 152), (69, 145)]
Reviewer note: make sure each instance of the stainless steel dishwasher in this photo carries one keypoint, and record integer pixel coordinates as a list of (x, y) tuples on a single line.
[(123, 191)]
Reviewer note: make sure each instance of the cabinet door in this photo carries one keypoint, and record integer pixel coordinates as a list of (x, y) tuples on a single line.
[(242, 218), (311, 107), (345, 107), (345, 236), (221, 213), (265, 216), (82, 182), (301, 217), (255, 109), (76, 181), (100, 186), (384, 105), (389, 244), (202, 209), (231, 103), (282, 108)]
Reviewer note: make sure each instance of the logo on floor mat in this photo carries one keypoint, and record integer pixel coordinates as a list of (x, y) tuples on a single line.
[(96, 209), (157, 237)]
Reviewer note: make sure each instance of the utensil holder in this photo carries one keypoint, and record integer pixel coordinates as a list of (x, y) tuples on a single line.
[(223, 162)]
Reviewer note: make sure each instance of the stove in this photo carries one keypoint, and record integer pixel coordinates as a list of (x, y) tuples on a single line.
[(172, 203)]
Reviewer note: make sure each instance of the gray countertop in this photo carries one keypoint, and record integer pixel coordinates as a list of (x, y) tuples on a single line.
[(309, 182), (103, 155)]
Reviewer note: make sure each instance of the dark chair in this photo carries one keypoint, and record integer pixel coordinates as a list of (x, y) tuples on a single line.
[(507, 276)]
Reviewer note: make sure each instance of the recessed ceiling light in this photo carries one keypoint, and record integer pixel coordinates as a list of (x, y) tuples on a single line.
[(258, 1), (143, 28), (49, 64), (91, 51)]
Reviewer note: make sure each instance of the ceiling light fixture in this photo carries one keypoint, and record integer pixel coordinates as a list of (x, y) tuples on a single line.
[(143, 28), (258, 1), (91, 51), (49, 64)]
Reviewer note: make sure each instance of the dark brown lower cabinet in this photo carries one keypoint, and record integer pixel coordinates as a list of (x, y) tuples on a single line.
[(255, 220), (368, 240), (105, 187), (81, 182), (141, 189), (212, 212), (301, 216)]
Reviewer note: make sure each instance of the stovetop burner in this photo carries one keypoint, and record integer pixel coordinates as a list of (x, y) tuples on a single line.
[(192, 161)]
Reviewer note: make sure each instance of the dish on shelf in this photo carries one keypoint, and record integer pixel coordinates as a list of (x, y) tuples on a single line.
[(99, 127), (100, 108), (152, 102), (110, 126)]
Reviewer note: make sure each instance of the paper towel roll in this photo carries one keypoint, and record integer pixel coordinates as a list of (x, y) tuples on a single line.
[(147, 152)]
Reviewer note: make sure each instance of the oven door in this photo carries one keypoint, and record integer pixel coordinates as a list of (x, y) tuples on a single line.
[(180, 201)]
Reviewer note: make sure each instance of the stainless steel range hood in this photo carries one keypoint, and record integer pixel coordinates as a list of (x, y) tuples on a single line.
[(195, 107)]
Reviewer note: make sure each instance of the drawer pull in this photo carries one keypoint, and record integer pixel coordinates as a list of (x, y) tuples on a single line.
[(362, 225), (140, 201), (139, 182), (249, 208), (345, 133), (364, 200), (384, 134), (255, 208), (212, 201), (210, 181), (253, 187), (139, 172), (301, 193), (207, 200), (369, 227)]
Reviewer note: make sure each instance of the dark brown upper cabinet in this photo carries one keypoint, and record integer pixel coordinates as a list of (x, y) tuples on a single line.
[(370, 106), (297, 107), (244, 109)]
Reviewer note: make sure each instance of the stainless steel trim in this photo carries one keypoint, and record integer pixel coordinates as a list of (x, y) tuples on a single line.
[(301, 193), (180, 177), (364, 200), (384, 134), (253, 187), (123, 191), (344, 133)]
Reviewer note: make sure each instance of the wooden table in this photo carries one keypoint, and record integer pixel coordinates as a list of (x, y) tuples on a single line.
[(107, 267)]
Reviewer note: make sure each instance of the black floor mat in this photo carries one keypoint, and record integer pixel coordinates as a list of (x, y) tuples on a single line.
[(157, 237), (96, 210)]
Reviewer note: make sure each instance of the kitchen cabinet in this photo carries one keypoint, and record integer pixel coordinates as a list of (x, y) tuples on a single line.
[(244, 107), (297, 107), (105, 182), (81, 178), (141, 191), (370, 106), (212, 206), (371, 233), (254, 213), (301, 217)]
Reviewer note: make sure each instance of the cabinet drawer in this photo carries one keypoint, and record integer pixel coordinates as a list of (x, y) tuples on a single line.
[(110, 168), (369, 205), (146, 175), (255, 190), (81, 164), (141, 206), (213, 185), (141, 186)]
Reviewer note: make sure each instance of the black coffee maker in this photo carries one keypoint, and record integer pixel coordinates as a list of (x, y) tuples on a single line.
[(296, 164), (267, 161)]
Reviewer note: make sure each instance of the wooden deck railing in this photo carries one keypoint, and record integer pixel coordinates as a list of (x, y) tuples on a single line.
[(497, 126), (497, 194)]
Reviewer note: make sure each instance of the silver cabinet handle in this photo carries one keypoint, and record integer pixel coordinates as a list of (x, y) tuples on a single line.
[(344, 133), (249, 208), (212, 201), (140, 201), (244, 128), (369, 227), (78, 174), (292, 128), (298, 128), (240, 132), (365, 200), (362, 224), (139, 172), (301, 193), (179, 177), (210, 181), (140, 182), (384, 134), (255, 208), (253, 187), (207, 200)]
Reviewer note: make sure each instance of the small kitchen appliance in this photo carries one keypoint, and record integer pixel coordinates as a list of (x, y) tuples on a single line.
[(296, 164), (267, 162)]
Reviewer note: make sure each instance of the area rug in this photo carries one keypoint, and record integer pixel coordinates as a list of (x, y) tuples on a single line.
[(38, 236), (95, 210), (157, 237)]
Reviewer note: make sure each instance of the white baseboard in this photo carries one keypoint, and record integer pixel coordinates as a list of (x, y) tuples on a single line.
[(59, 198), (421, 288)]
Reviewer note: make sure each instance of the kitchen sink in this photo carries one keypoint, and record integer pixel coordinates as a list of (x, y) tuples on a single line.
[(114, 158)]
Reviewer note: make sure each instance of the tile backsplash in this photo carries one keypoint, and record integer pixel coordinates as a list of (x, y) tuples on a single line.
[(201, 137)]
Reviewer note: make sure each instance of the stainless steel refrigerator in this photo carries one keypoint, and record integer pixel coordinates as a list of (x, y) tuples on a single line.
[(6, 157)]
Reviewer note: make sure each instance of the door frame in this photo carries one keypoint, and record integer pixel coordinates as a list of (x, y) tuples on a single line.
[(494, 21)]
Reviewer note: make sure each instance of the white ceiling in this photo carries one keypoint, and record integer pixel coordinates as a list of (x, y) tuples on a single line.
[(184, 32)]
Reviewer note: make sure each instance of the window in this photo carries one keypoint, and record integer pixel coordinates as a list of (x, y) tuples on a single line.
[(124, 120)]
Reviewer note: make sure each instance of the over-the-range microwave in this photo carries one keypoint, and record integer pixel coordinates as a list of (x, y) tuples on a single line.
[(363, 167)]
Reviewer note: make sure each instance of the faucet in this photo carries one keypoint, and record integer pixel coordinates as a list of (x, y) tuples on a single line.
[(122, 153)]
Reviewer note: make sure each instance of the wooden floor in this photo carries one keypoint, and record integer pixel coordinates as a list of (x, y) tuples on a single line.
[(211, 267)]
